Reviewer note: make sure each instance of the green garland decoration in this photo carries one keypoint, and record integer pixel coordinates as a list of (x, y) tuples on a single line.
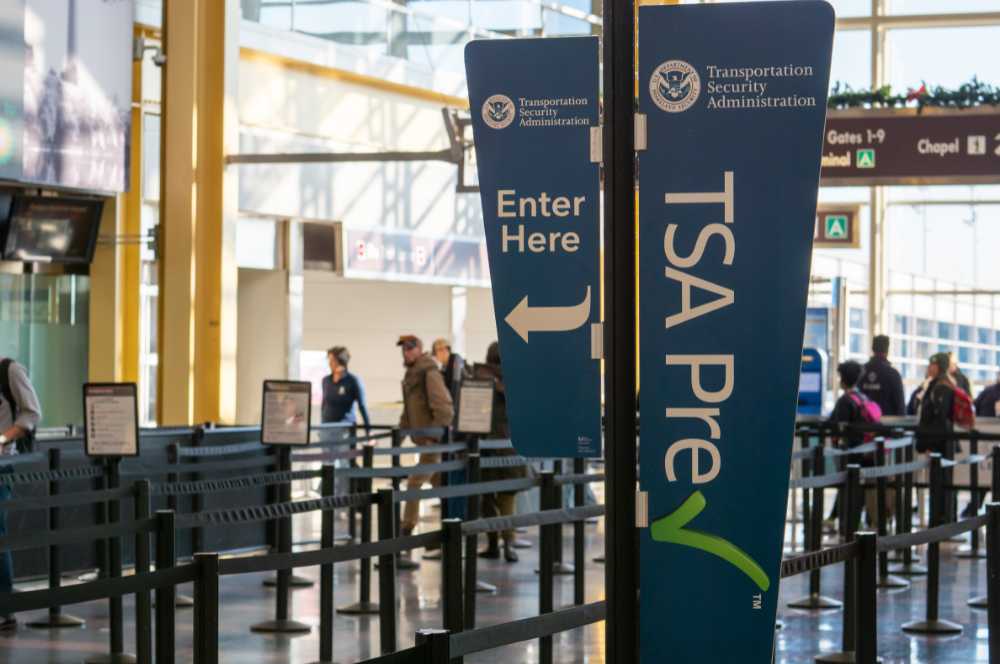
[(971, 94)]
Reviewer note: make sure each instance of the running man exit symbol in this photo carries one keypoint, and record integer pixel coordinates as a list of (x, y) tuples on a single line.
[(836, 227), (866, 158)]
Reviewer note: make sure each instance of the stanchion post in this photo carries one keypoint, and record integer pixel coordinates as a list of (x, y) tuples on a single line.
[(386, 573), (974, 484), (933, 624), (579, 582), (451, 575), (851, 499), (206, 606), (326, 578), (197, 499), (143, 608), (116, 621), (166, 558), (471, 545), (396, 442), (557, 541), (807, 468), (993, 576), (546, 564), (55, 617), (437, 646), (815, 600), (866, 642), (885, 580), (364, 605)]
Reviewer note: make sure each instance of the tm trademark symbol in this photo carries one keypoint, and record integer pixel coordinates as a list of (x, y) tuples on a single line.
[(758, 602)]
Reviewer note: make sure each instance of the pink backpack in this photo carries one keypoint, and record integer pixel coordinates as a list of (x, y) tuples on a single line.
[(871, 412)]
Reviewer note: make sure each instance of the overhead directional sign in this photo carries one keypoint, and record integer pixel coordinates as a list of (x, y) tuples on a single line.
[(837, 227), (725, 241), (534, 104)]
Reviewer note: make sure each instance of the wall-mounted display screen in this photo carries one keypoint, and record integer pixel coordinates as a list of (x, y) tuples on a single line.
[(52, 230)]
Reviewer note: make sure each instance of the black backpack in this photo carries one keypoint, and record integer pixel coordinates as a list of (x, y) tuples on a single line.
[(26, 443)]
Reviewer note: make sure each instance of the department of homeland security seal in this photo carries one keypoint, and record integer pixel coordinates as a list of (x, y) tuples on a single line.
[(498, 111), (674, 86)]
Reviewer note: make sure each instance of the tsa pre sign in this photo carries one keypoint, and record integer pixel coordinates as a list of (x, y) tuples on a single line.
[(726, 228), (533, 104)]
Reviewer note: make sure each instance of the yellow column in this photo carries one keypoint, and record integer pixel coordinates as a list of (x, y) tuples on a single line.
[(104, 345), (197, 268)]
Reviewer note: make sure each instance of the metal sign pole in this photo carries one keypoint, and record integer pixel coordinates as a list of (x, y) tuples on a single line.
[(621, 573)]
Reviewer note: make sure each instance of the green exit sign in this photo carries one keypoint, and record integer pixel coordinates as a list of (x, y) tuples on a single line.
[(866, 158), (835, 226)]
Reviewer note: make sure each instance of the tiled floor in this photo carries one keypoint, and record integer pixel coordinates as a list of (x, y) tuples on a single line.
[(246, 602)]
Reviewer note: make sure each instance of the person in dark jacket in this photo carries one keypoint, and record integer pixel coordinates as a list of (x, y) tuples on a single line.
[(847, 409), (880, 381), (498, 504), (986, 402), (936, 415), (452, 365), (341, 390)]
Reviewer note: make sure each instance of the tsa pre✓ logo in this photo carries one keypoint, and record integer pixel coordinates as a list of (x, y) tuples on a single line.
[(674, 86), (498, 111)]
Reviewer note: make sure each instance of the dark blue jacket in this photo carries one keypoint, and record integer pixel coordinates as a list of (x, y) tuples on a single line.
[(881, 383), (339, 399)]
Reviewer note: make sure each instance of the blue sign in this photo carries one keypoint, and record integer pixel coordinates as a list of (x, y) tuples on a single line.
[(734, 97), (812, 382), (534, 102)]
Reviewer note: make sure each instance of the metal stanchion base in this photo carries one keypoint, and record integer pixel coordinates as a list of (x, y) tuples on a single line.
[(295, 581), (932, 627), (913, 569), (979, 602), (892, 582), (360, 609), (816, 603), (112, 658), (485, 588), (969, 553), (56, 621), (521, 543), (281, 627)]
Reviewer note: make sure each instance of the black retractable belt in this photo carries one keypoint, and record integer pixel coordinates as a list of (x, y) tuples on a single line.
[(55, 617), (983, 601), (560, 567), (283, 526), (436, 646), (939, 509), (364, 606), (451, 575)]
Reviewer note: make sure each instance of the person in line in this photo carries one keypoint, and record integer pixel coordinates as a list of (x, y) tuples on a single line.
[(935, 413), (452, 365), (20, 413), (880, 381), (498, 504), (986, 406), (957, 377), (426, 403), (342, 390), (853, 407)]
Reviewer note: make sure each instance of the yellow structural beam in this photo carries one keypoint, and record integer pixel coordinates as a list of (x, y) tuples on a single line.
[(197, 266)]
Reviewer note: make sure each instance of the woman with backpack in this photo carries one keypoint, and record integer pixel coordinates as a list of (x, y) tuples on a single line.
[(853, 407)]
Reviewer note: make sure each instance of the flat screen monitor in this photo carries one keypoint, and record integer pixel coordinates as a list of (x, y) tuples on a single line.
[(52, 230)]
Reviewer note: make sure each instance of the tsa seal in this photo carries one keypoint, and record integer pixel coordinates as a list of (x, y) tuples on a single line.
[(498, 111), (674, 86)]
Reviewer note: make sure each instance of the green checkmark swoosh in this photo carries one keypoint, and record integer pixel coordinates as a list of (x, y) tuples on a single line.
[(671, 529)]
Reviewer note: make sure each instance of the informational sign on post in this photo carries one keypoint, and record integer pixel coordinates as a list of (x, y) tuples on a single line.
[(286, 412), (734, 97), (110, 419), (475, 406), (535, 117)]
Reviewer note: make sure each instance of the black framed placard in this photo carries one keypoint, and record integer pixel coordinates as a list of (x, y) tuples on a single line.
[(110, 419), (475, 406), (285, 413)]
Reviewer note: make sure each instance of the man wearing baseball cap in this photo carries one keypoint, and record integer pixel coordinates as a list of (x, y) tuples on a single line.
[(426, 403)]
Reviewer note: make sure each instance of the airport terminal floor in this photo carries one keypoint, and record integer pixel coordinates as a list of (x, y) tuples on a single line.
[(246, 602)]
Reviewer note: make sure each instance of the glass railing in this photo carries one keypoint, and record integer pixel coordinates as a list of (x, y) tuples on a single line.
[(429, 33)]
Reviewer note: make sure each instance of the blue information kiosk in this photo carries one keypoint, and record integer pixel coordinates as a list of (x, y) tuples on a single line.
[(812, 379)]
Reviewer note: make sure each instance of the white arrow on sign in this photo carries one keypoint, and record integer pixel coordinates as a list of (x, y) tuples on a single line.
[(525, 319)]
